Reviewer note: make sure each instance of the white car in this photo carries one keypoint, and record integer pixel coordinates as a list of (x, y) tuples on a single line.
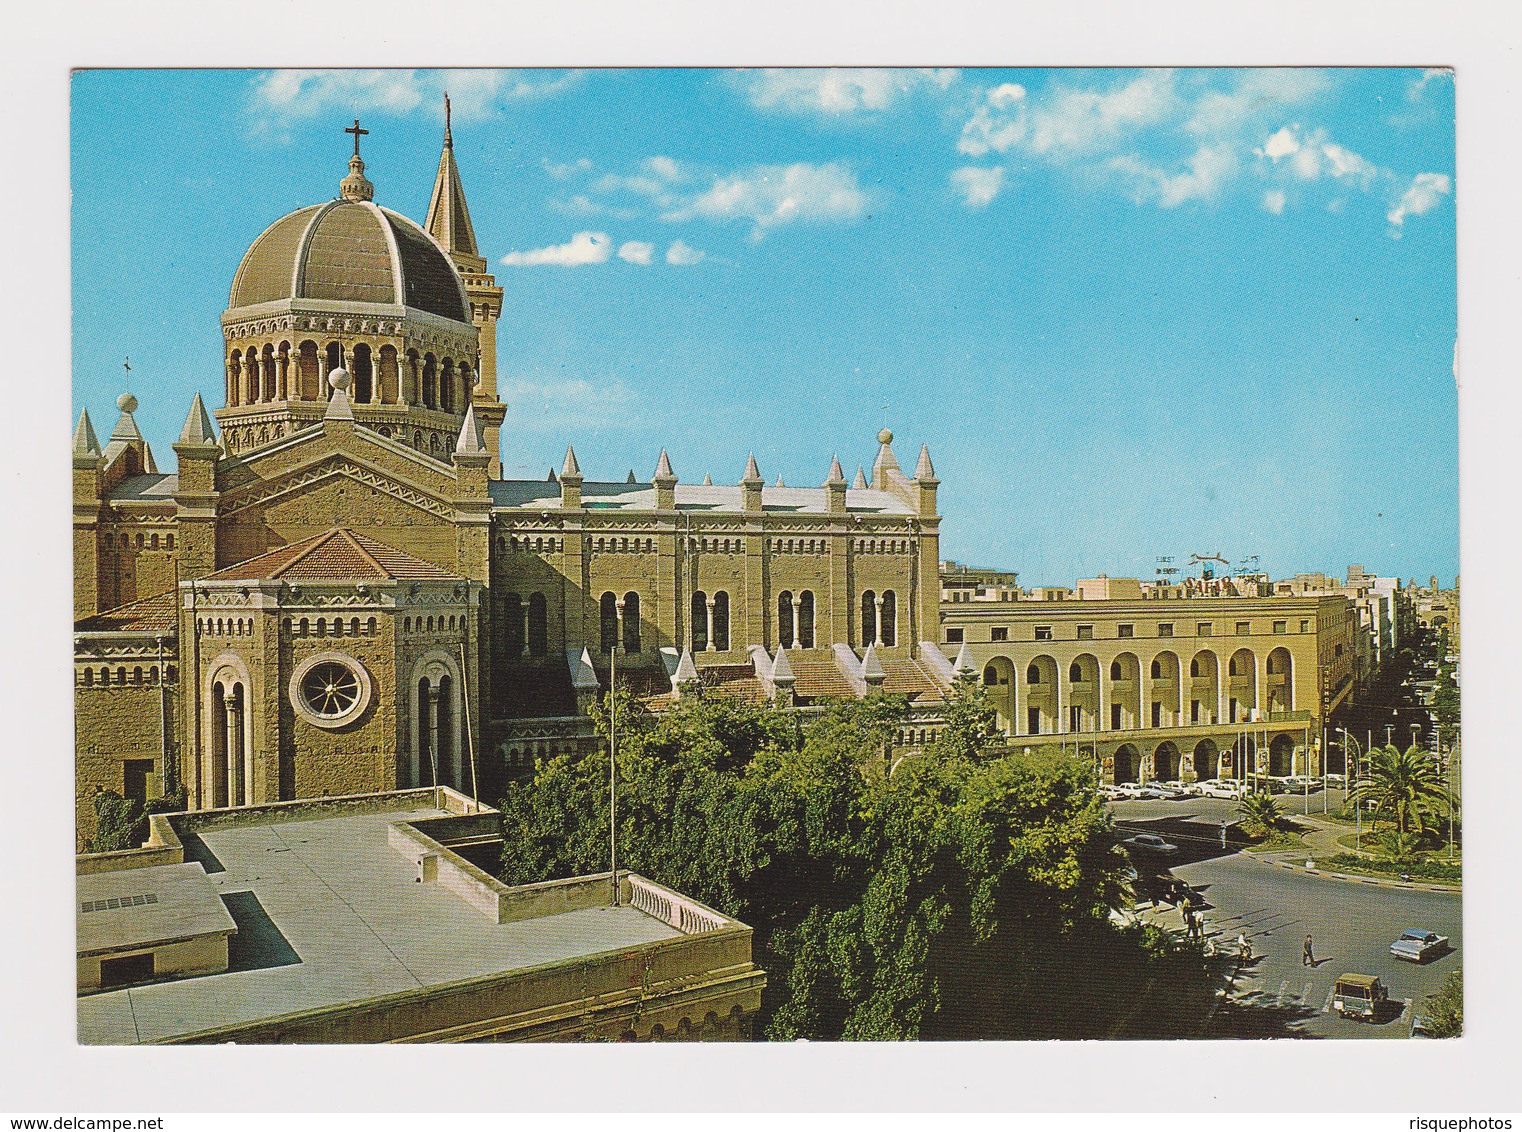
[(1126, 790), (1219, 788), (1151, 843)]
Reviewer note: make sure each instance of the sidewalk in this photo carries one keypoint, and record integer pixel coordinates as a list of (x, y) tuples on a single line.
[(1322, 838)]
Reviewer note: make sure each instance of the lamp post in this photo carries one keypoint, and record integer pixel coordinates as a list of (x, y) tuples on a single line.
[(618, 631)]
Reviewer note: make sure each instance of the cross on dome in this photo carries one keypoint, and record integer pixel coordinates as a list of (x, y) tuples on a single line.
[(357, 132)]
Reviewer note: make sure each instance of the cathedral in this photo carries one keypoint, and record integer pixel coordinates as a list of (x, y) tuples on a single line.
[(336, 591)]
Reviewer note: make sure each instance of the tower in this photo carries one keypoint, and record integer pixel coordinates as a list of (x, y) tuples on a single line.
[(449, 223)]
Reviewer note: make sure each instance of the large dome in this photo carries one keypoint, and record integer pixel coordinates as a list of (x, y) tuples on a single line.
[(349, 251)]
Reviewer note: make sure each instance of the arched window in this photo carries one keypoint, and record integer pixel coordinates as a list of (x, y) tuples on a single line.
[(631, 622), (354, 626), (363, 375), (430, 400), (1231, 667), (1116, 671), (609, 622), (699, 634), (890, 618), (538, 625), (1033, 675), (305, 627), (389, 377), (1194, 667), (868, 618), (806, 619), (991, 676), (785, 619), (234, 369), (512, 623), (1075, 672), (307, 367), (335, 361), (446, 386), (721, 621), (1157, 670), (271, 374)]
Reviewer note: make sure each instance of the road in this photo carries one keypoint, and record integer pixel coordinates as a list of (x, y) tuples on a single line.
[(1351, 924)]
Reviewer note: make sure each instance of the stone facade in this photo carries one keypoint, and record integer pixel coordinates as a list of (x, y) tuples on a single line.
[(361, 403)]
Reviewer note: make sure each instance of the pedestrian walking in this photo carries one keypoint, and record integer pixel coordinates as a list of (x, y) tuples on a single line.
[(1307, 959)]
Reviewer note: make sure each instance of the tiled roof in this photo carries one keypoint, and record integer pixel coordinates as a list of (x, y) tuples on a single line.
[(154, 614), (818, 679), (907, 678), (737, 680), (337, 554)]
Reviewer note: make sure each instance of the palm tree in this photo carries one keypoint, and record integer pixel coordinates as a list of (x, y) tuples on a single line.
[(1406, 786), (1260, 812)]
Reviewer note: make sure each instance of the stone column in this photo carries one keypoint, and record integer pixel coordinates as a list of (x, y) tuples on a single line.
[(877, 630), (433, 730), (710, 626), (1100, 719)]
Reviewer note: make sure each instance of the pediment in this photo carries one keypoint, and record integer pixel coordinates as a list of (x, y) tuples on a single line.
[(262, 492)]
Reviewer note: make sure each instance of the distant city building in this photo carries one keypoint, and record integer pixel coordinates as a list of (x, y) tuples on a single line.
[(364, 919), (1161, 682)]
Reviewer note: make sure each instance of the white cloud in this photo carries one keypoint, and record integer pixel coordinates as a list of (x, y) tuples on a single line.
[(1424, 193), (1281, 144), (978, 186), (772, 195), (584, 248), (1201, 179), (1273, 200), (1346, 163), (280, 97), (562, 170), (680, 254), (837, 90), (636, 251), (1069, 122), (1418, 86), (1253, 92), (1311, 154)]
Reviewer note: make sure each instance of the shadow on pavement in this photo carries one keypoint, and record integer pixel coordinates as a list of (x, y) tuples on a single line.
[(258, 942), (1261, 1015), (198, 850)]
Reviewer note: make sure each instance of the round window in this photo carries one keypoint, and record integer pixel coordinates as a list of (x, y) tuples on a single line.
[(330, 689)]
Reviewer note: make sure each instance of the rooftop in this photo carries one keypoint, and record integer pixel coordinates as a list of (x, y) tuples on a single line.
[(329, 911), (625, 496), (336, 554)]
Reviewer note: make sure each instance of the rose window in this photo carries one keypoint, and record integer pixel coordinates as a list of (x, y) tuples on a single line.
[(330, 689)]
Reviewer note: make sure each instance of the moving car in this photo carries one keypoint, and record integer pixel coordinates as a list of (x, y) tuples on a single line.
[(1358, 996), (1150, 843), (1418, 945)]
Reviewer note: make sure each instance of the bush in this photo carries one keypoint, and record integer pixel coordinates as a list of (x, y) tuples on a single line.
[(1416, 869), (1445, 1008)]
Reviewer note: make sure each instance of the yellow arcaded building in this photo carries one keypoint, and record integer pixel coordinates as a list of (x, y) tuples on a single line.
[(336, 592)]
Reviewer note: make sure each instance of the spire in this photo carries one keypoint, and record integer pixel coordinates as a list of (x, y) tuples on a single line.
[(126, 426), (570, 467), (872, 670), (924, 470), (779, 480), (782, 670), (355, 186), (752, 473), (471, 442), (837, 475), (448, 217), (885, 461), (707, 480), (663, 468), (85, 442), (963, 662), (198, 431), (860, 482), (126, 435)]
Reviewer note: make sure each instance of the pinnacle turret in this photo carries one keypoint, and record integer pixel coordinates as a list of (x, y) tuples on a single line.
[(85, 441), (924, 470), (198, 431), (570, 467), (860, 482), (471, 442), (448, 217), (752, 472), (663, 468), (837, 475)]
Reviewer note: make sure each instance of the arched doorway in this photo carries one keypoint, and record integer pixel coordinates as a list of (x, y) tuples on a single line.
[(1123, 704), (1165, 762), (1241, 685), (1281, 756), (1281, 681), (1166, 687), (1204, 687), (1083, 693), (1207, 759), (1127, 764), (1040, 696), (999, 687)]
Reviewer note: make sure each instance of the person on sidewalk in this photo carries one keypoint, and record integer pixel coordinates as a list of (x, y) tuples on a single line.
[(1307, 959)]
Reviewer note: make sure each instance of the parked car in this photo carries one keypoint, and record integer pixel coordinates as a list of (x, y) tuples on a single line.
[(1151, 843), (1126, 790), (1169, 790), (1220, 788), (1418, 945), (1358, 996)]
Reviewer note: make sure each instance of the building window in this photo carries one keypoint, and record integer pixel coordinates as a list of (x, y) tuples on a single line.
[(1305, 624), (1125, 630), (699, 621), (785, 619), (609, 632), (991, 677), (1194, 711), (1244, 628), (721, 621), (1339, 651), (954, 636), (1165, 629), (890, 618), (1075, 673), (538, 625), (1116, 672), (1033, 676), (1043, 632), (1157, 670), (805, 614), (868, 618), (1281, 626), (1085, 632), (1202, 629), (631, 622), (1157, 713), (1000, 634), (1115, 720)]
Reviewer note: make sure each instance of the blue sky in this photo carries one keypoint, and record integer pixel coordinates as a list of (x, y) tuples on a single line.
[(1132, 313)]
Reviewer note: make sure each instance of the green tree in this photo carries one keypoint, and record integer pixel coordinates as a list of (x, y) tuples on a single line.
[(960, 895), (119, 823), (1406, 787), (1445, 1008), (1259, 812), (1446, 702), (971, 722)]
